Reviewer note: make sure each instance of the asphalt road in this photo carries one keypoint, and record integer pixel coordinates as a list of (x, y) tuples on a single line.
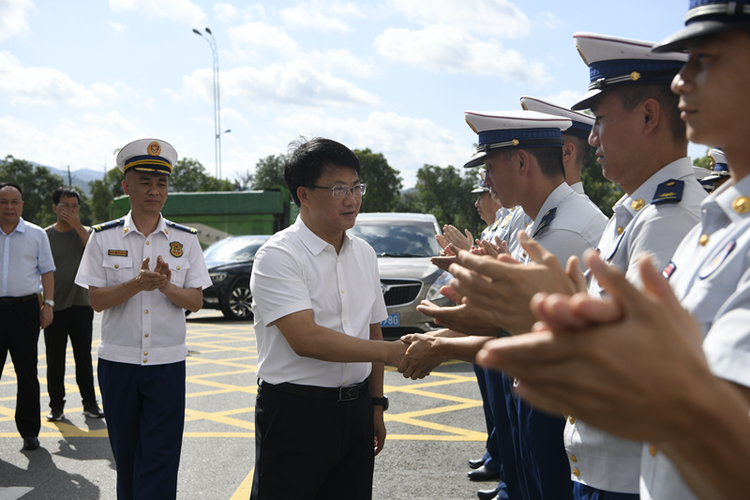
[(434, 425)]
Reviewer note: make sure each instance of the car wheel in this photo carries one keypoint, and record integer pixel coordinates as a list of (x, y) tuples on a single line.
[(239, 301)]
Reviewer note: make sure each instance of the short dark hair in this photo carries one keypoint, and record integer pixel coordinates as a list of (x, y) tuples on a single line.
[(65, 192), (307, 160), (582, 146), (549, 159), (12, 184), (632, 95)]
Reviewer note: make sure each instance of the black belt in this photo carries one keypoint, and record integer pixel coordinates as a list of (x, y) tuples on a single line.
[(11, 301), (339, 394)]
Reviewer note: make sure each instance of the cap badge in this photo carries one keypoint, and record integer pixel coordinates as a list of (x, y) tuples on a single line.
[(175, 248), (741, 204), (635, 76), (153, 149), (638, 204), (514, 142)]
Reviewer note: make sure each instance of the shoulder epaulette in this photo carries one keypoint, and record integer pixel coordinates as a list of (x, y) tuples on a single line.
[(187, 229), (495, 224), (546, 221), (108, 225), (668, 192), (506, 220)]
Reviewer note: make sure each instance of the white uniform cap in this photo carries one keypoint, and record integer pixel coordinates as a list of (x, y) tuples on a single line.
[(582, 123), (147, 155)]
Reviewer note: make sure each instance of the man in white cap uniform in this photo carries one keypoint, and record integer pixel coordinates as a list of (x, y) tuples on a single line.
[(719, 171), (143, 271), (521, 150), (630, 85)]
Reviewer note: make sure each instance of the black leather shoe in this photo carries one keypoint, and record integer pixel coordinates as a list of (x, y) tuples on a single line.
[(487, 494), (475, 464), (30, 443), (484, 474)]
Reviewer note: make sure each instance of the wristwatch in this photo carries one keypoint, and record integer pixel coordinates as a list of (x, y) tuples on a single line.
[(381, 402), (50, 303)]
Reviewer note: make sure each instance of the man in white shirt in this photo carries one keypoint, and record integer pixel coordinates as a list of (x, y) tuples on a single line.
[(318, 305), (143, 271)]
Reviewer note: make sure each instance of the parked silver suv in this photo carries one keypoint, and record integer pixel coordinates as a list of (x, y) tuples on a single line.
[(405, 243)]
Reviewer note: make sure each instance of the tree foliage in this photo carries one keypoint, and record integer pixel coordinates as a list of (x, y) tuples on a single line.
[(269, 172), (190, 176), (38, 184), (602, 192), (103, 192), (703, 161), (446, 194), (383, 182)]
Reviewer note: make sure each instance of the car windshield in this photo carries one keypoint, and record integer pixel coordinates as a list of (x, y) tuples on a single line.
[(234, 249), (399, 239)]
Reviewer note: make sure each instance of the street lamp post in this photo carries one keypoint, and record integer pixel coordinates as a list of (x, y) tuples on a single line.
[(217, 100)]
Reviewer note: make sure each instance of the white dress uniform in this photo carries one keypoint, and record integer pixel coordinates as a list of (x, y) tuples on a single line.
[(709, 274), (490, 231), (567, 225), (148, 329), (597, 458)]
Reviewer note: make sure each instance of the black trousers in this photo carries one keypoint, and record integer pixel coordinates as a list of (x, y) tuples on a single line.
[(19, 334), (74, 322), (312, 448)]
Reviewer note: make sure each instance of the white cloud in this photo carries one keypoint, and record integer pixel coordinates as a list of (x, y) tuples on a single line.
[(549, 20), (447, 49), (110, 120), (408, 143), (497, 18), (181, 11), (341, 59), (227, 13), (297, 82), (117, 27), (322, 15), (565, 98), (250, 38), (65, 143), (41, 85), (231, 117), (13, 18)]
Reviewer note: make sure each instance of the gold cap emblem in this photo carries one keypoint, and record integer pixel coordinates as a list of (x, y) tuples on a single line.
[(637, 204), (153, 149), (514, 142), (635, 76), (741, 204)]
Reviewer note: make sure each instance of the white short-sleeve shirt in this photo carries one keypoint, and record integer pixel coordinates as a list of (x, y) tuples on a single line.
[(713, 284), (147, 329), (602, 460), (295, 270)]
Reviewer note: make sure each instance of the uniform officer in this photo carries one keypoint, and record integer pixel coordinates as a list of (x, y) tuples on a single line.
[(522, 151), (143, 271), (630, 86), (719, 171)]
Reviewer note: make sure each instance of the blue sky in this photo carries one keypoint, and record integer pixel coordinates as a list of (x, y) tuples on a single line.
[(79, 79)]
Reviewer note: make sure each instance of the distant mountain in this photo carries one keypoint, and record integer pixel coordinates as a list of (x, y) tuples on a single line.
[(80, 178)]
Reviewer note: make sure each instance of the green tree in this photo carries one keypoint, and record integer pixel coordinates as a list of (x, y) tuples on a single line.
[(103, 192), (269, 172), (602, 192), (190, 176), (703, 161), (38, 184), (383, 182), (447, 195)]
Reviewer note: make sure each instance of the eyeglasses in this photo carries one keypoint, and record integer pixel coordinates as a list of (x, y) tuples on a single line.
[(343, 191), (65, 205)]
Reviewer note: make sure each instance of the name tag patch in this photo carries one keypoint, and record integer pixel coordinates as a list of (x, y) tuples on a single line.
[(118, 253)]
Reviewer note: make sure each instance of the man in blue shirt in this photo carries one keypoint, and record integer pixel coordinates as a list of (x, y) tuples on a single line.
[(26, 256)]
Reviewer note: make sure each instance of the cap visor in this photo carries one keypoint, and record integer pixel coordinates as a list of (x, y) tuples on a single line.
[(677, 42), (476, 160), (585, 102)]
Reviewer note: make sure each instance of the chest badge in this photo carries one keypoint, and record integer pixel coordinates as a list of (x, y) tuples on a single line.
[(712, 266), (175, 248), (669, 270)]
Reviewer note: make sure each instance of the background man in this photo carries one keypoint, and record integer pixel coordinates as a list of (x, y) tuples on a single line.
[(26, 257), (143, 271), (73, 314), (318, 307)]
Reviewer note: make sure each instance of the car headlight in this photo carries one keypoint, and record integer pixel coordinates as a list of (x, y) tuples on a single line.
[(442, 280), (217, 277)]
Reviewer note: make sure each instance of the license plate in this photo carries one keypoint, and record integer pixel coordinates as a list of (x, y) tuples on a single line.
[(393, 320)]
